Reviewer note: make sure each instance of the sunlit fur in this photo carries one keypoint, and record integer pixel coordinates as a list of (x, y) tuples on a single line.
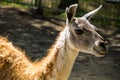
[(14, 65), (58, 63)]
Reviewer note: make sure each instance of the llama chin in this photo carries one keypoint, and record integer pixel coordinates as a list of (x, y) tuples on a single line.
[(79, 35)]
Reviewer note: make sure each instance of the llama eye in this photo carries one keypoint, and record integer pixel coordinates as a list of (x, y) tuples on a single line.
[(79, 31), (80, 22)]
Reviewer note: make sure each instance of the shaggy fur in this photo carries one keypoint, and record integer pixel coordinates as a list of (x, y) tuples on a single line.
[(78, 36), (14, 65)]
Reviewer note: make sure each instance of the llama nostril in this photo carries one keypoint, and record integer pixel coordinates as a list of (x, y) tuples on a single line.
[(103, 46)]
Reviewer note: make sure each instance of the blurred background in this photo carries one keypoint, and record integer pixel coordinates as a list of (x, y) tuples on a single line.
[(33, 25), (108, 16)]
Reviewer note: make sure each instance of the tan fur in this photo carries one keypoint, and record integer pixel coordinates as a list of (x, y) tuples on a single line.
[(14, 65), (57, 65)]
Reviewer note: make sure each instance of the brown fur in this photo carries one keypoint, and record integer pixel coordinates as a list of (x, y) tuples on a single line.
[(14, 65), (57, 65)]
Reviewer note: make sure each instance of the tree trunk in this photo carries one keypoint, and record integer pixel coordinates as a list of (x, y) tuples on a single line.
[(39, 9), (65, 3)]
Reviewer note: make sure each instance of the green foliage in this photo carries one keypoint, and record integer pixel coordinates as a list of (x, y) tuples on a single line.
[(108, 16), (63, 15), (14, 5)]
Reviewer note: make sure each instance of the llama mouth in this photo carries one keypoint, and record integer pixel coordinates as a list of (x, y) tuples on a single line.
[(102, 53)]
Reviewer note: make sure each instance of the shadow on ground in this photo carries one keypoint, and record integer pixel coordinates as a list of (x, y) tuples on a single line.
[(35, 34)]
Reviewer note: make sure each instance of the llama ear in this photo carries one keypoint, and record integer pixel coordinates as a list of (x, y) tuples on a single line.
[(70, 12), (92, 13)]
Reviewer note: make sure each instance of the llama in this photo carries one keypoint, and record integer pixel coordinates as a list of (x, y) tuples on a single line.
[(78, 36)]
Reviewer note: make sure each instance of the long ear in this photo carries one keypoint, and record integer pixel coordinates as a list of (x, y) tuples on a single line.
[(70, 12), (92, 13)]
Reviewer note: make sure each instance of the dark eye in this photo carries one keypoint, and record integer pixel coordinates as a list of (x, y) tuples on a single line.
[(79, 31)]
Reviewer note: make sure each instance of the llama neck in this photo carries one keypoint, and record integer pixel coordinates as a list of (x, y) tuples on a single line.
[(64, 63), (65, 57)]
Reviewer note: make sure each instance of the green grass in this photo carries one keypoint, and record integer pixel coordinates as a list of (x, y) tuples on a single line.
[(63, 15), (104, 20), (14, 5)]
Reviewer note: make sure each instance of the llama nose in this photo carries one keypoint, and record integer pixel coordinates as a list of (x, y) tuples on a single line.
[(103, 46)]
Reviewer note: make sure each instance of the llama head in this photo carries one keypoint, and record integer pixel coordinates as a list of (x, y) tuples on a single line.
[(83, 35)]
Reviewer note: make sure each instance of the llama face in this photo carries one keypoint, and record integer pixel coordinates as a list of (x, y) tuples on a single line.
[(83, 35)]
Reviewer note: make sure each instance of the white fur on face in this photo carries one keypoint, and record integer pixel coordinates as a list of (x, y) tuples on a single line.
[(86, 41)]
